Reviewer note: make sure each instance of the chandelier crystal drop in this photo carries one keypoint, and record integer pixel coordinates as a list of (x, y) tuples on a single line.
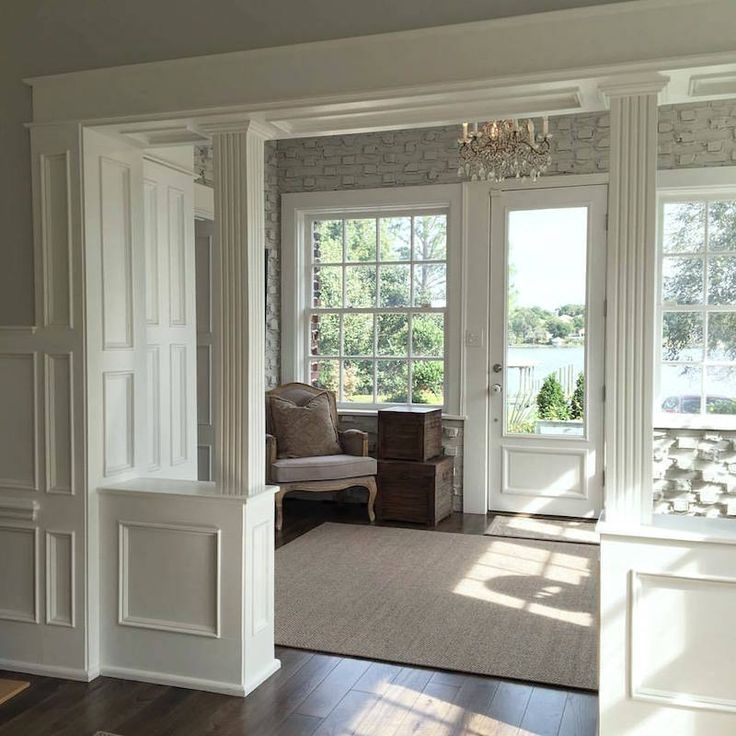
[(504, 149)]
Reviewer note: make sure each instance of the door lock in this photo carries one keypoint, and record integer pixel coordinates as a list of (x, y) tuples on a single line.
[(497, 367)]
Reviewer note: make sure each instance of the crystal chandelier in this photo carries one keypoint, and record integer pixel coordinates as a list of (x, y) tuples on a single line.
[(502, 149)]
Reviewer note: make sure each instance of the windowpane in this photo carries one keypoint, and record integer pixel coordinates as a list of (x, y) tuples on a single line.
[(327, 241), (395, 233), (720, 389), (683, 227), (327, 284), (358, 334), (360, 238), (722, 336), (429, 285), (430, 238), (722, 280), (722, 225), (682, 336), (393, 381), (428, 335), (428, 382), (325, 334), (680, 389), (357, 381), (324, 374), (395, 286), (682, 281), (393, 334), (361, 286)]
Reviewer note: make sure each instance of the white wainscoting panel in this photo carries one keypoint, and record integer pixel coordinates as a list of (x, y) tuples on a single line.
[(55, 193), (117, 247), (119, 430), (204, 385), (675, 621), (60, 579), (169, 577), (553, 472), (260, 562), (179, 403), (153, 405), (18, 421), (19, 573), (150, 228), (177, 258), (59, 403)]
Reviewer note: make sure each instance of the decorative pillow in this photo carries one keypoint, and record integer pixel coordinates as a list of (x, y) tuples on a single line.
[(304, 431)]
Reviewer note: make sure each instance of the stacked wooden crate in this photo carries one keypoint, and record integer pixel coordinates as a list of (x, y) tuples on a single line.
[(414, 477)]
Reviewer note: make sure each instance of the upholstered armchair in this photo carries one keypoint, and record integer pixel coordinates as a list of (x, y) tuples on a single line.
[(290, 463)]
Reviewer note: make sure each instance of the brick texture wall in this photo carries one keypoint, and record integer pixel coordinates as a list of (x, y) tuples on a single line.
[(692, 135)]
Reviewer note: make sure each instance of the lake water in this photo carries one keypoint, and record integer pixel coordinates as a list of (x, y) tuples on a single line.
[(545, 360)]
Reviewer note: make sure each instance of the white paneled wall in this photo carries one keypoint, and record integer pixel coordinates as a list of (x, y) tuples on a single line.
[(170, 316)]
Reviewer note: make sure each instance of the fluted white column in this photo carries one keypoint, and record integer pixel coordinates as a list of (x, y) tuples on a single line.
[(631, 298), (238, 306)]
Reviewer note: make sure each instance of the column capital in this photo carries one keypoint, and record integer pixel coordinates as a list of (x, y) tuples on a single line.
[(632, 86), (255, 127)]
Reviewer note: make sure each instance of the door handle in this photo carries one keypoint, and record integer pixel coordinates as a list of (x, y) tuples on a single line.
[(496, 388)]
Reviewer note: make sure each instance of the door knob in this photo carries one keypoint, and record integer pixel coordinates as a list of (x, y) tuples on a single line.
[(496, 388)]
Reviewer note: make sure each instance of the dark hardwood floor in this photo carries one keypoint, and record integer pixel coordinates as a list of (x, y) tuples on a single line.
[(313, 694)]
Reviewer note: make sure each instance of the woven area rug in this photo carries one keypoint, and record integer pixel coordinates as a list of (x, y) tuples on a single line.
[(527, 527), (10, 688), (492, 606)]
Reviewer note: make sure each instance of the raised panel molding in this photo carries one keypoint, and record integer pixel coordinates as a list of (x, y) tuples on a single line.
[(571, 466), (56, 239), (166, 571), (204, 385), (18, 421), (150, 219), (19, 573), (177, 258), (683, 658), (262, 615), (59, 402), (153, 405), (21, 509), (179, 424), (60, 579), (119, 427), (117, 251)]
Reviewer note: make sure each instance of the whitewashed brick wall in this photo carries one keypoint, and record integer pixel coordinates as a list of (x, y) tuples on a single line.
[(692, 135)]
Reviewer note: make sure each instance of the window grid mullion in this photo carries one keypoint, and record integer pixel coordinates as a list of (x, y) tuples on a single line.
[(704, 311)]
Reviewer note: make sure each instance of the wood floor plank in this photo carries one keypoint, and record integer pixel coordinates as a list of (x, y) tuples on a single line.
[(378, 677), (431, 714), (544, 712), (507, 708), (580, 717), (333, 688), (297, 724), (469, 713), (387, 715), (442, 677), (344, 719)]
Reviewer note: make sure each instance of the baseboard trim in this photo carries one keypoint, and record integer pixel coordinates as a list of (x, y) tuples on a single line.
[(271, 669), (164, 678), (48, 670)]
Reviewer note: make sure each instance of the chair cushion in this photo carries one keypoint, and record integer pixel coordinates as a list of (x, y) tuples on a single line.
[(304, 431), (327, 467)]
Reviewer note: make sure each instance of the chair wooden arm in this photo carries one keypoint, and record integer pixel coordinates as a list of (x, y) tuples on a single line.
[(270, 455), (354, 442)]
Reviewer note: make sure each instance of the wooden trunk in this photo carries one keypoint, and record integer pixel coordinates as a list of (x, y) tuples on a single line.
[(409, 433), (416, 492)]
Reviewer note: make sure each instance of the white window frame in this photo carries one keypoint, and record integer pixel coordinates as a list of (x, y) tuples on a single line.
[(680, 186), (300, 209)]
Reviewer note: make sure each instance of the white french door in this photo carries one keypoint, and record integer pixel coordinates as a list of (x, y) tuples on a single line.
[(546, 345)]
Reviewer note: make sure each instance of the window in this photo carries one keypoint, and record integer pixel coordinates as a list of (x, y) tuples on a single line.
[(696, 383), (377, 310)]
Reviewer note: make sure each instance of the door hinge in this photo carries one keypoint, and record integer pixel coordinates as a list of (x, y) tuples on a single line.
[(606, 221), (604, 392), (603, 477), (605, 308)]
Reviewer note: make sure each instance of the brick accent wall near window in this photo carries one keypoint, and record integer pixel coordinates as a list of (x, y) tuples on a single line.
[(692, 135)]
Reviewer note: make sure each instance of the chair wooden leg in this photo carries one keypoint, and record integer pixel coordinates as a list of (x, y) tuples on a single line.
[(280, 509), (372, 493)]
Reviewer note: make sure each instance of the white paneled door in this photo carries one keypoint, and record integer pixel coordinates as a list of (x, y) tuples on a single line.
[(547, 336)]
